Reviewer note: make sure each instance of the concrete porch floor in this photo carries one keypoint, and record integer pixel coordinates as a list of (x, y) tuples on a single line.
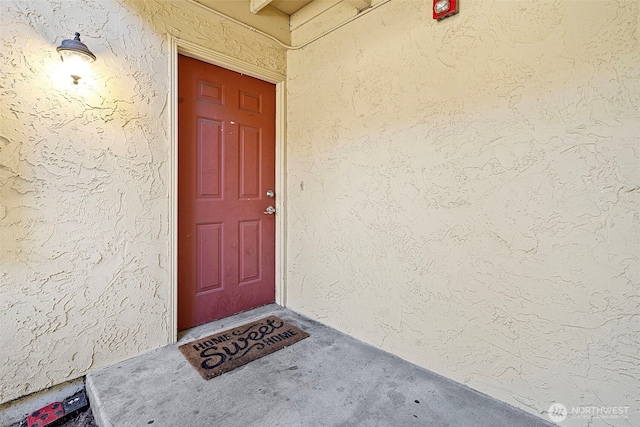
[(328, 379)]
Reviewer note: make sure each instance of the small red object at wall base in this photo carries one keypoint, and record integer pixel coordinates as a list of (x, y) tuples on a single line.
[(47, 415), (450, 11)]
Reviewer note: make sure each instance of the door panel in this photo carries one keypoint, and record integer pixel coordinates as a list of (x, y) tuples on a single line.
[(226, 164), (250, 234), (209, 148), (209, 257), (250, 149)]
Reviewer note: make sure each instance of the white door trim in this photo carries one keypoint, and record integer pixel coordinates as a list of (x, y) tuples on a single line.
[(178, 46)]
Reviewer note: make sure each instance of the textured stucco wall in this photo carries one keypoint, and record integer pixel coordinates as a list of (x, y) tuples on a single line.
[(84, 182), (465, 194)]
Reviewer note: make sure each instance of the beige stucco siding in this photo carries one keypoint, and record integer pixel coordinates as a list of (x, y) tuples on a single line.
[(85, 179), (465, 194)]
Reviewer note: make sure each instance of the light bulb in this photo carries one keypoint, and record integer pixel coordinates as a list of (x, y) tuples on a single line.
[(76, 64)]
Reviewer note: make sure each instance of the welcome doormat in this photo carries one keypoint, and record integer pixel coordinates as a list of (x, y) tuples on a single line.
[(216, 354)]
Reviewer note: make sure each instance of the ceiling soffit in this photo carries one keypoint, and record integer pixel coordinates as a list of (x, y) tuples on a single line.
[(286, 19)]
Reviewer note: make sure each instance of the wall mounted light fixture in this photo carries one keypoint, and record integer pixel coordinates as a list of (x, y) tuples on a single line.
[(76, 57)]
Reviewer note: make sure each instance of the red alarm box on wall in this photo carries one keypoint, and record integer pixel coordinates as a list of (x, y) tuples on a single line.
[(444, 8)]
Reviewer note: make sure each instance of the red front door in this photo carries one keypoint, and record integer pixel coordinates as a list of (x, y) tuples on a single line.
[(226, 165)]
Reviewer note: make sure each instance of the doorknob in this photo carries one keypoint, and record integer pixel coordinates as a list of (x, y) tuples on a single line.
[(270, 210)]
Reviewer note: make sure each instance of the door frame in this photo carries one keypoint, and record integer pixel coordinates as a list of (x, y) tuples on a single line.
[(183, 47)]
